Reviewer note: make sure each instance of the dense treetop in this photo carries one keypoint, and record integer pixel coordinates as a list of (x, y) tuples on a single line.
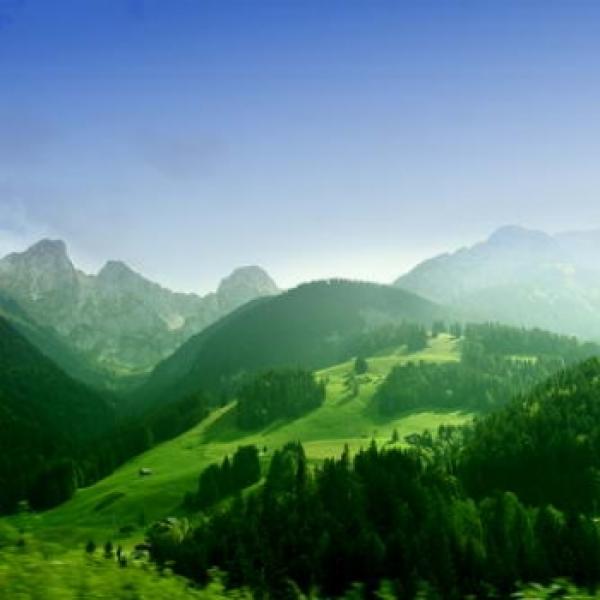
[(544, 446)]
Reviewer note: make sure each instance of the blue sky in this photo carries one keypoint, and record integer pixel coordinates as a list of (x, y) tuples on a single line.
[(315, 138)]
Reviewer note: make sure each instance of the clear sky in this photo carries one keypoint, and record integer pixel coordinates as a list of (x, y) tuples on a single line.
[(314, 138)]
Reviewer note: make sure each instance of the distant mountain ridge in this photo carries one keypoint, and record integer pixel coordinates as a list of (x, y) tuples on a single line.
[(118, 320), (519, 276)]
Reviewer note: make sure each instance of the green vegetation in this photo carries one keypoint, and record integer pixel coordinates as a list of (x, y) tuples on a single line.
[(384, 516), (313, 326), (45, 418), (459, 385), (405, 509), (218, 481), (361, 366), (57, 434), (380, 339), (497, 363), (494, 339), (277, 394), (177, 464), (33, 571), (545, 447)]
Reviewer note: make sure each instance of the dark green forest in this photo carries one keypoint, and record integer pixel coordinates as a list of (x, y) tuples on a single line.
[(497, 363), (45, 416), (544, 446), (277, 394), (218, 481), (386, 519), (57, 434), (469, 511)]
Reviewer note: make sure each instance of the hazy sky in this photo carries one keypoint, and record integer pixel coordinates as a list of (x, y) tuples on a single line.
[(315, 138)]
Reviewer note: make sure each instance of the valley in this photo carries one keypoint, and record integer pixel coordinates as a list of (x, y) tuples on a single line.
[(393, 406), (299, 300), (177, 464)]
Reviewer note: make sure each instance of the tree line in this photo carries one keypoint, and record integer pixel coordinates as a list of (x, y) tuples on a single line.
[(497, 362), (411, 335), (389, 520), (218, 481), (283, 393), (43, 468)]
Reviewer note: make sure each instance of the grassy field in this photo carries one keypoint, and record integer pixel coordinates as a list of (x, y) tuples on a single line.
[(127, 500)]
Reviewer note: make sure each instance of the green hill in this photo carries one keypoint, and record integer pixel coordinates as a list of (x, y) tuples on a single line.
[(127, 501), (544, 446), (45, 416), (311, 326)]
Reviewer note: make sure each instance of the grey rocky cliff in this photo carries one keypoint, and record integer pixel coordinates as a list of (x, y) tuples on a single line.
[(118, 319)]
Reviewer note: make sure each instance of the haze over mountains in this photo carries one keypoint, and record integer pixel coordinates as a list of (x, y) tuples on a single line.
[(519, 276), (328, 363), (122, 323), (117, 319)]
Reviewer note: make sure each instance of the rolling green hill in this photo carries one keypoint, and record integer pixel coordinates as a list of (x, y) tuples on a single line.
[(127, 500), (310, 326)]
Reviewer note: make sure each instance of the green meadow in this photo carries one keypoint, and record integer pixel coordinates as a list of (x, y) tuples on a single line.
[(121, 506)]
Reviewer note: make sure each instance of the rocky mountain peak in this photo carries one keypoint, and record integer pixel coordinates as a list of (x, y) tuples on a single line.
[(118, 317), (245, 284), (48, 247), (45, 254), (47, 259), (116, 270)]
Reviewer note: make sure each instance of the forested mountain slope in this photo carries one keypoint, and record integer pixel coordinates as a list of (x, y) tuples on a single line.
[(544, 446), (125, 501), (45, 418), (313, 326)]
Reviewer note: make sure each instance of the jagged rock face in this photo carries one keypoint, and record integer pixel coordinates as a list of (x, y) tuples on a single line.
[(118, 319), (519, 276), (43, 278)]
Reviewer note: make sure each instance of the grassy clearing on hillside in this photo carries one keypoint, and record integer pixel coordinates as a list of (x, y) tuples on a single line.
[(120, 506)]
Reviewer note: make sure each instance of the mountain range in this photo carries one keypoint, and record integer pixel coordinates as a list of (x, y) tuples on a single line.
[(117, 320), (519, 276), (60, 326)]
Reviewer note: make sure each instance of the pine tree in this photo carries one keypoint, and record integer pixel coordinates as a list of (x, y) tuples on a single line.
[(361, 366)]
